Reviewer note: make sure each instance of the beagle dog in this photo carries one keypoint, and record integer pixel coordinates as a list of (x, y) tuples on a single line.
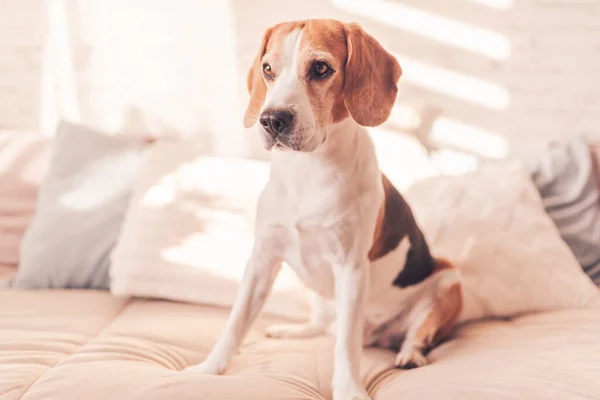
[(330, 213)]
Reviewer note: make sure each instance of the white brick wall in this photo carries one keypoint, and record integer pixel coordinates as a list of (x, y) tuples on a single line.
[(22, 30), (180, 65)]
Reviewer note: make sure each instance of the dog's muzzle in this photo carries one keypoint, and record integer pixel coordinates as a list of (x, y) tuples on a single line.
[(277, 122)]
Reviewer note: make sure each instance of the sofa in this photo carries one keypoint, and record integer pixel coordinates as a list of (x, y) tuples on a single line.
[(73, 343), (90, 345)]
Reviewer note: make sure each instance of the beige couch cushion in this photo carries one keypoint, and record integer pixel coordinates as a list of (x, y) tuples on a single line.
[(88, 345)]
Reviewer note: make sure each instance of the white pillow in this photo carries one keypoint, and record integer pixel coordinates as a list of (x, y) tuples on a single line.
[(189, 231), (493, 224)]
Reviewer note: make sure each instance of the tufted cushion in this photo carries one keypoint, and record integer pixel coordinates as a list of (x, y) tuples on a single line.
[(73, 345)]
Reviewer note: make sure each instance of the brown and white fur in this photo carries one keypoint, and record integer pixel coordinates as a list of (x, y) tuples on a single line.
[(328, 211)]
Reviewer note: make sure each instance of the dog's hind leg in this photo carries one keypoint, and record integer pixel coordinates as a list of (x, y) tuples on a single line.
[(432, 317), (322, 315), (422, 318)]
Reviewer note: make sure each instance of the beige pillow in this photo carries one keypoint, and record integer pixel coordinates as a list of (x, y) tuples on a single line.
[(189, 230), (24, 159), (493, 224)]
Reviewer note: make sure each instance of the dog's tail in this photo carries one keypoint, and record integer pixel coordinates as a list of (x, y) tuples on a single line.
[(472, 292), (441, 264)]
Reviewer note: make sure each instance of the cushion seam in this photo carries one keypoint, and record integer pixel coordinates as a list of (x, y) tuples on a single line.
[(90, 338)]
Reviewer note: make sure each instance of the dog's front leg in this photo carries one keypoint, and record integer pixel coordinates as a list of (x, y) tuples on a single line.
[(351, 283), (261, 270)]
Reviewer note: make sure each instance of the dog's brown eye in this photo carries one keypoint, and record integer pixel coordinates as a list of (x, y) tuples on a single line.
[(268, 71), (320, 69)]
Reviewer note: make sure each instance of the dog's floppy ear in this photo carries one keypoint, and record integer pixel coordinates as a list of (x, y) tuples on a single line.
[(256, 84), (370, 83)]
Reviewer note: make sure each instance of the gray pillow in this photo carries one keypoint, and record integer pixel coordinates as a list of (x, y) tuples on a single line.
[(566, 182), (81, 206)]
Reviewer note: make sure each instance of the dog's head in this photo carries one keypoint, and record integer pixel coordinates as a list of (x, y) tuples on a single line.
[(311, 74)]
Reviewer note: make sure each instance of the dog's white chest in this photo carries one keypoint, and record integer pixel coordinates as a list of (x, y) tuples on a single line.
[(307, 256)]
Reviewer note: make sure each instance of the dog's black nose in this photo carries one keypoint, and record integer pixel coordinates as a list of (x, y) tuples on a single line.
[(277, 122)]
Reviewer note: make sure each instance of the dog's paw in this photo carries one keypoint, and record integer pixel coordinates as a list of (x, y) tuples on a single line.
[(293, 331), (410, 358), (349, 394), (205, 368), (348, 389)]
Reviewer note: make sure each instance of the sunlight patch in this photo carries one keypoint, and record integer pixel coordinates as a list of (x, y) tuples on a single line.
[(482, 142), (433, 26), (456, 84)]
